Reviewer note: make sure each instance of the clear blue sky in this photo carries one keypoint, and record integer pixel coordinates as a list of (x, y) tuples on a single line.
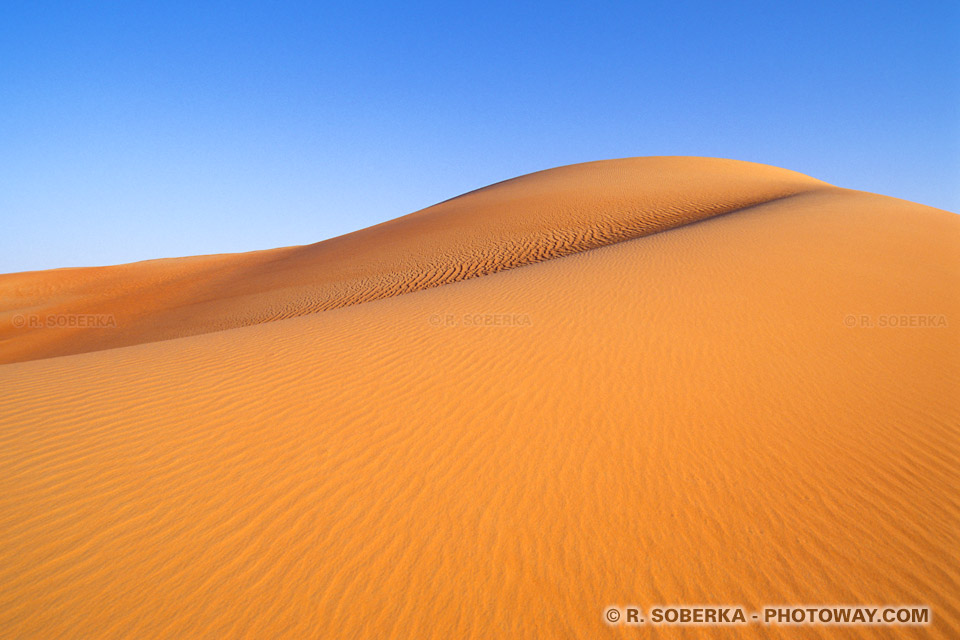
[(131, 132)]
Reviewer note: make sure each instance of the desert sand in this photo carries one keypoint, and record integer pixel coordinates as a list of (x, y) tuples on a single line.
[(645, 381)]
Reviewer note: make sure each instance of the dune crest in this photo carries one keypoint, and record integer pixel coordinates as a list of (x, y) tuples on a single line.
[(517, 222)]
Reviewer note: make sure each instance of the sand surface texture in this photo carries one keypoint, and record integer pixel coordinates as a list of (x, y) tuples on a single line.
[(645, 381)]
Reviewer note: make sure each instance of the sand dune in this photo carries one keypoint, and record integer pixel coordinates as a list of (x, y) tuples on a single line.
[(625, 382)]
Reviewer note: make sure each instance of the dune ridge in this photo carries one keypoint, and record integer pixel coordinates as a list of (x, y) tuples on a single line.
[(523, 221), (685, 417)]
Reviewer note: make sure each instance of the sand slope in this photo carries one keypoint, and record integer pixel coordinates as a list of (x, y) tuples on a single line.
[(516, 408)]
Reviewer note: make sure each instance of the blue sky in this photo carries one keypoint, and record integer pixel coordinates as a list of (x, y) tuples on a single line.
[(131, 130)]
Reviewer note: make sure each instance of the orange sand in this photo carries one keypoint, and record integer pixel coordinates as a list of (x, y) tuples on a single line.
[(624, 382)]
